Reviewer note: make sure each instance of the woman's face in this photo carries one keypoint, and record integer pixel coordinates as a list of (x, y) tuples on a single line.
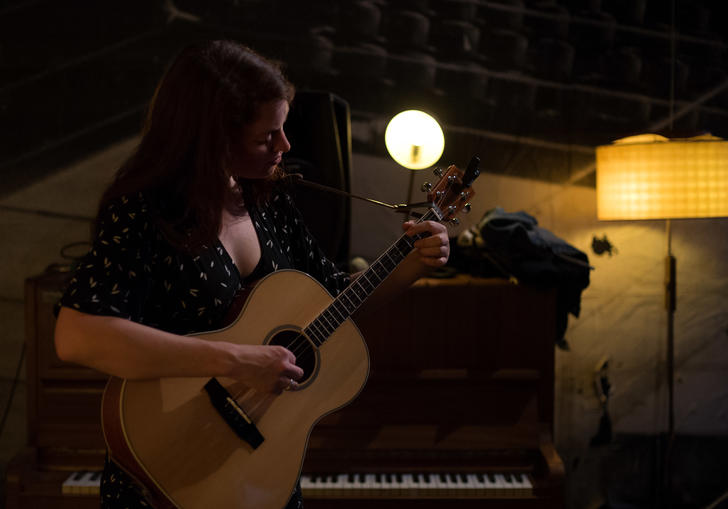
[(261, 144)]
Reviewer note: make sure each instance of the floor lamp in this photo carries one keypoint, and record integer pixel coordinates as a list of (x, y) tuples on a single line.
[(653, 177)]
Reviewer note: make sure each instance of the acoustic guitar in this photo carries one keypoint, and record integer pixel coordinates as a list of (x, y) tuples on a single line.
[(199, 443)]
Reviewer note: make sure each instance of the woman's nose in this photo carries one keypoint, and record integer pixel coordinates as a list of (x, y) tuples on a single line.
[(281, 143)]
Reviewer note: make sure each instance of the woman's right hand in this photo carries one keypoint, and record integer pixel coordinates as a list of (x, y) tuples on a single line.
[(265, 368), (138, 352)]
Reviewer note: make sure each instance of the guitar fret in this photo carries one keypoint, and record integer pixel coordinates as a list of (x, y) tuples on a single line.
[(319, 329), (338, 304), (337, 317), (341, 316), (353, 304), (365, 279), (317, 340), (357, 292), (325, 326), (401, 255), (331, 324), (387, 264), (311, 333), (380, 271), (315, 331), (393, 257)]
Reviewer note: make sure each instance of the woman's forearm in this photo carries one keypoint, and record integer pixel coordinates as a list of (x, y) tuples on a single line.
[(127, 349)]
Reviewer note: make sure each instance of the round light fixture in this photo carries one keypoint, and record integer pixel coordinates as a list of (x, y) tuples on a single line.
[(414, 139)]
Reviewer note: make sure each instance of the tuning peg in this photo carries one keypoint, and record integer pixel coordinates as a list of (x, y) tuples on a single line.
[(438, 194), (438, 172), (467, 207), (452, 209), (455, 221), (451, 179), (427, 187)]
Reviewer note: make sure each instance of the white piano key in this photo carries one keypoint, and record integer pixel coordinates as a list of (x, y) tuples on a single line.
[(72, 483), (477, 484), (504, 484), (82, 482), (433, 483), (91, 483), (470, 485), (408, 482), (306, 482), (491, 486), (391, 485), (526, 482)]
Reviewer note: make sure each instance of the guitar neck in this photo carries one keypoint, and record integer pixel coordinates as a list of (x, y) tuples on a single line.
[(351, 299)]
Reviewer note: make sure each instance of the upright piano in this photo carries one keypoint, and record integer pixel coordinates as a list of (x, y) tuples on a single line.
[(457, 411)]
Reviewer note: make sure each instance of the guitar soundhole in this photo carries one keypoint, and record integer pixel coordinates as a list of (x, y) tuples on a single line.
[(306, 354)]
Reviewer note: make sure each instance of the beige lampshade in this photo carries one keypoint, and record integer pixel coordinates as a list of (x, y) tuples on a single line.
[(653, 177), (414, 139)]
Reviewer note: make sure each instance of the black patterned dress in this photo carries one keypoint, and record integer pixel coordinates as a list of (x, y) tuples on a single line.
[(132, 272)]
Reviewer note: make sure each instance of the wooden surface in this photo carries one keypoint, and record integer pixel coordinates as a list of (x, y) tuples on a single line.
[(461, 373)]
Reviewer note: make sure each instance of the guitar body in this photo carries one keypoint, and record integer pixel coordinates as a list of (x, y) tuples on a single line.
[(167, 434)]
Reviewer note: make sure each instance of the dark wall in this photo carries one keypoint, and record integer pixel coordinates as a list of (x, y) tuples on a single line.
[(571, 73)]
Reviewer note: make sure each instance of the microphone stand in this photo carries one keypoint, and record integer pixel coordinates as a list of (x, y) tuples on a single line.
[(405, 208)]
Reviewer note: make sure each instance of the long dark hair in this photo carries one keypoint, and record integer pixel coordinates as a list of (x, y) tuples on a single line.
[(208, 94)]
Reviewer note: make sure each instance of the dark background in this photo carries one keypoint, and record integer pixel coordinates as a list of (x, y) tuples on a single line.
[(557, 76), (533, 86)]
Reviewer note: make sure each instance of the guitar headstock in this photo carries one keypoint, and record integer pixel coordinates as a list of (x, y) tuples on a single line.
[(453, 191)]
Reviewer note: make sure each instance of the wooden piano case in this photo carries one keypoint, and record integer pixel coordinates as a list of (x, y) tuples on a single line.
[(462, 380), (63, 409)]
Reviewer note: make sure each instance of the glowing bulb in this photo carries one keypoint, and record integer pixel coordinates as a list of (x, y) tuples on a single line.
[(414, 139)]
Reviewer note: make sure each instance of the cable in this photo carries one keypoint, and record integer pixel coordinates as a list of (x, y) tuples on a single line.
[(6, 412), (717, 502)]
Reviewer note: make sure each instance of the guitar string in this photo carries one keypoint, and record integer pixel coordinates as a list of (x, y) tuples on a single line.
[(332, 320), (305, 344), (303, 348)]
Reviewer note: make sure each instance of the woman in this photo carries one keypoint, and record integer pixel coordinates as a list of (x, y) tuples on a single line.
[(193, 215)]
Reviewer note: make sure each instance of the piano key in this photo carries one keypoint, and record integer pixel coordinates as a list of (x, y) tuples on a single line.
[(526, 485), (71, 484), (82, 482), (502, 484), (433, 485)]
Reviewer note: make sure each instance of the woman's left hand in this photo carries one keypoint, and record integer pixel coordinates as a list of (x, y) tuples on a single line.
[(434, 249)]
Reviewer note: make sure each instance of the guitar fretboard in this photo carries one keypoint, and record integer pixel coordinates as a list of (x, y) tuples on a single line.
[(349, 300)]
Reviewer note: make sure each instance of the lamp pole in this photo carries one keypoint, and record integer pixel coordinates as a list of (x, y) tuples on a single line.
[(670, 305)]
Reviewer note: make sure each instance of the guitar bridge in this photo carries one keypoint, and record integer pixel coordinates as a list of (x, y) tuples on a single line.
[(233, 414)]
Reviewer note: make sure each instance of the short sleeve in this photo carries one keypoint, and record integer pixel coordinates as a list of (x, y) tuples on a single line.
[(113, 279), (307, 254)]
